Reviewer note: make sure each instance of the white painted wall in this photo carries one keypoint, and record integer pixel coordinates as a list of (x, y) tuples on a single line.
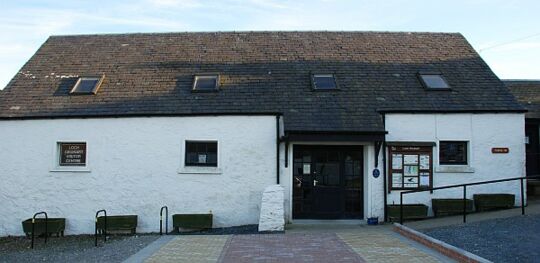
[(135, 167), (483, 131)]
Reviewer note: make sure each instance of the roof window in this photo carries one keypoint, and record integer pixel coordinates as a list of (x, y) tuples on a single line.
[(433, 81), (87, 85), (324, 82), (206, 83)]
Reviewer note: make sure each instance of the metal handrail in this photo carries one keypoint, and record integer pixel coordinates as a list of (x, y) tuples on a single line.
[(166, 220), (465, 193), (33, 227), (104, 230)]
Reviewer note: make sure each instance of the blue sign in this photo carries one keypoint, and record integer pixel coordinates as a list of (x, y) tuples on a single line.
[(376, 173)]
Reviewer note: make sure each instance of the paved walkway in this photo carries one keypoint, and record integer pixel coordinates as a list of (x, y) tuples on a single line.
[(301, 243)]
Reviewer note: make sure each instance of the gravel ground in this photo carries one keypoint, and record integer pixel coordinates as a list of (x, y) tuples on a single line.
[(515, 239), (72, 248)]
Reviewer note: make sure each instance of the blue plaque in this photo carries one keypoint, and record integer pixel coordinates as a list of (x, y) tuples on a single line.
[(376, 173)]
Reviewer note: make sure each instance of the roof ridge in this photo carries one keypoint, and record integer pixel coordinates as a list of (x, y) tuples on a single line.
[(520, 80), (262, 31)]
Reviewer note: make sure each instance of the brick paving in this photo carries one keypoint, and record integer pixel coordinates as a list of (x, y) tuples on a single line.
[(326, 247)]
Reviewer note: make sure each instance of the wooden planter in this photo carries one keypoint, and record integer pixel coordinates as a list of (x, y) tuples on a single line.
[(450, 206), (487, 202), (410, 211), (54, 225), (116, 223), (192, 221)]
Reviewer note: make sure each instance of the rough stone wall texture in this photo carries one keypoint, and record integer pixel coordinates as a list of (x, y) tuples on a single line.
[(135, 165), (272, 216), (483, 132)]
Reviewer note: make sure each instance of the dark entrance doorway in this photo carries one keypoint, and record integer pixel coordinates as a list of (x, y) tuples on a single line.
[(328, 182), (532, 149), (532, 161)]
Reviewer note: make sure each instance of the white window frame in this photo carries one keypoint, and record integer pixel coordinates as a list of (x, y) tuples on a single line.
[(183, 169), (56, 167)]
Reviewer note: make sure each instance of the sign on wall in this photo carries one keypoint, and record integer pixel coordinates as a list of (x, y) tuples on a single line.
[(500, 150), (72, 154), (411, 167)]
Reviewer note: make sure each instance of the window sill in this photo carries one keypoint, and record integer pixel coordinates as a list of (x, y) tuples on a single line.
[(199, 170), (75, 170), (454, 169)]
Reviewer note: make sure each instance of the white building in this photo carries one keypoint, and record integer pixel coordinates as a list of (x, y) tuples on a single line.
[(205, 121)]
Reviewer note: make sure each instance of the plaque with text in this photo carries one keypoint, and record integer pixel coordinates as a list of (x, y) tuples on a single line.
[(500, 150), (72, 154)]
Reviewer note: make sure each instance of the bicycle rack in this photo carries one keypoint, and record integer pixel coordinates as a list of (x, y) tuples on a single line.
[(166, 220), (33, 227), (104, 230)]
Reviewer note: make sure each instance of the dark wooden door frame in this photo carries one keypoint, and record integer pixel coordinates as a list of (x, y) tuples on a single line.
[(317, 205)]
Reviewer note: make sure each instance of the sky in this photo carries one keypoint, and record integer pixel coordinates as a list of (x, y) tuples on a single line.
[(506, 33)]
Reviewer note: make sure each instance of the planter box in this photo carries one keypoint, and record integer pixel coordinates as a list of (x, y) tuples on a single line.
[(115, 223), (487, 202), (54, 225), (451, 206), (410, 211), (192, 221)]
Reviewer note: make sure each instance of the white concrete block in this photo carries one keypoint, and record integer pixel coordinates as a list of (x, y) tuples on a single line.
[(272, 216)]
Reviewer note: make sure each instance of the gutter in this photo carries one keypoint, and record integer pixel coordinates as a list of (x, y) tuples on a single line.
[(138, 115), (385, 187), (383, 111), (278, 141)]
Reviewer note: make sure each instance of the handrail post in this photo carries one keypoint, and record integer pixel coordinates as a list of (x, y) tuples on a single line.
[(104, 230), (521, 179), (33, 227), (166, 220), (465, 204), (522, 198), (401, 208)]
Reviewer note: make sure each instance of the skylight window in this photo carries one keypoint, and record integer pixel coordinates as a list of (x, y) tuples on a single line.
[(324, 82), (434, 81), (87, 85), (206, 83)]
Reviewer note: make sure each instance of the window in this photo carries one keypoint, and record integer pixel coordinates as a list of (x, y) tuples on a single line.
[(434, 81), (201, 153), (410, 167), (453, 153), (71, 154), (87, 85), (206, 83), (324, 82)]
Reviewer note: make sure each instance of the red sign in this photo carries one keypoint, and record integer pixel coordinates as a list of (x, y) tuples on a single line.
[(500, 150)]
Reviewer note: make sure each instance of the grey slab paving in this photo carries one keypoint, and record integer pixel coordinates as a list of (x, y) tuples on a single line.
[(149, 250), (192, 249)]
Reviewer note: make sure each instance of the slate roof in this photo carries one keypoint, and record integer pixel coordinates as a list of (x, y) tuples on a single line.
[(527, 92), (152, 74)]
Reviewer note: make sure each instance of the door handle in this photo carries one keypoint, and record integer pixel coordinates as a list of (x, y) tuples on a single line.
[(315, 182)]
